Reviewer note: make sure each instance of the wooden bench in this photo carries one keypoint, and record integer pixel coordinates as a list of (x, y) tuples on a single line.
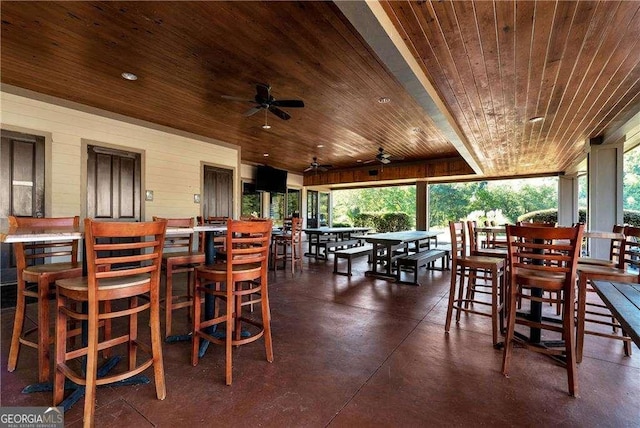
[(415, 260), (349, 254), (332, 246)]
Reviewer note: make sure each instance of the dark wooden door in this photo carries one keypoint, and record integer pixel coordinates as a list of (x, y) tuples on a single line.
[(312, 208), (217, 192), (21, 187), (113, 184), (113, 188)]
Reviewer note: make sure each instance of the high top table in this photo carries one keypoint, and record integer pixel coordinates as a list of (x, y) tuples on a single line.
[(385, 243), (12, 235)]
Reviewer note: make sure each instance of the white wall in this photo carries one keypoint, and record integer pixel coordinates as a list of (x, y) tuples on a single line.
[(172, 160)]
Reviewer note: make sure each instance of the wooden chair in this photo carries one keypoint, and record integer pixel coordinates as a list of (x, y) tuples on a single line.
[(473, 244), (137, 251), (544, 258), (178, 256), (616, 238), (218, 240), (494, 240), (465, 271), (36, 275), (288, 246), (590, 309), (244, 274)]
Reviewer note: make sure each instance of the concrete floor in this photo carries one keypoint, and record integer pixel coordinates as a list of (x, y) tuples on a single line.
[(361, 352)]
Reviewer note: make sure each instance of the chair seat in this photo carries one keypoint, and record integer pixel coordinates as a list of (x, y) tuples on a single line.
[(81, 284), (481, 260), (492, 252), (595, 262), (51, 268), (604, 270), (541, 279), (221, 268)]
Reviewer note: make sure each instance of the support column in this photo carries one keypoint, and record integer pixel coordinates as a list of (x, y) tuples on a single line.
[(567, 200), (422, 205), (605, 192)]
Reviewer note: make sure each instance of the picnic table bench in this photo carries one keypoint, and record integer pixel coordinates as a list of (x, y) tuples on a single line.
[(415, 260), (332, 246), (349, 254)]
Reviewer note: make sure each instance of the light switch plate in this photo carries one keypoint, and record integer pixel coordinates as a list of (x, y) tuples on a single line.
[(196, 198), (148, 195)]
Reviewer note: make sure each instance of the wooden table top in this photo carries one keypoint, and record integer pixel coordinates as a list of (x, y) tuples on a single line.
[(623, 299), (23, 234)]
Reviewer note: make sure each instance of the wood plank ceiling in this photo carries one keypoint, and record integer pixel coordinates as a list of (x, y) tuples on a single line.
[(575, 65), (494, 64)]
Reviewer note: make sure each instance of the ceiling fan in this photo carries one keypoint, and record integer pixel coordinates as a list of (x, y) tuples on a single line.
[(382, 157), (315, 166), (264, 100)]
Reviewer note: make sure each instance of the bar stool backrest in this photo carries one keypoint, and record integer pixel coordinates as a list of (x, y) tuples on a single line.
[(28, 254), (178, 242), (458, 240), (630, 256)]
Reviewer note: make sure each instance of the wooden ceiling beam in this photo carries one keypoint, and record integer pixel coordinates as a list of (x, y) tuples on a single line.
[(395, 171)]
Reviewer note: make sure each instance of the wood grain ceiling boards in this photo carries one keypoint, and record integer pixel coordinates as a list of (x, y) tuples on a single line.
[(188, 54), (498, 64), (495, 64)]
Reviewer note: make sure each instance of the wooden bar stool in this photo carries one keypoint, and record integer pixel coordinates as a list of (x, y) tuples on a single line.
[(34, 266), (123, 265), (622, 256), (244, 275), (544, 258), (178, 256), (218, 239), (465, 271), (288, 246)]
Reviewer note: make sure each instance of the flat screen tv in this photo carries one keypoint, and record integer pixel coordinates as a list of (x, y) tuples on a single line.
[(269, 179)]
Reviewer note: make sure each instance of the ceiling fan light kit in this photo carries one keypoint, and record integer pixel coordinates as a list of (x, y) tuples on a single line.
[(382, 157)]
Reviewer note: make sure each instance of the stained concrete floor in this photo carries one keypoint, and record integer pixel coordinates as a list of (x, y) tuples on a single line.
[(360, 352)]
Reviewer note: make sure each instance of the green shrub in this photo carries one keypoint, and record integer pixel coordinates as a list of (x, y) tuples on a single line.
[(364, 220), (338, 224), (383, 222), (393, 222), (630, 217)]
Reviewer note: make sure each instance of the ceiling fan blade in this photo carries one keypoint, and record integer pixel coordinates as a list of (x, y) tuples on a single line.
[(288, 103), (369, 161), (252, 111), (281, 114), (308, 169), (325, 166), (263, 91), (229, 97)]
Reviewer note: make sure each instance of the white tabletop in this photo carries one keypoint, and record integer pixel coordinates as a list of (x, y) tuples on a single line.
[(8, 235)]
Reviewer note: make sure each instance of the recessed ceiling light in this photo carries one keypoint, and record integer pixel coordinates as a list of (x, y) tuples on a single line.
[(384, 100), (359, 160), (265, 126), (320, 146), (129, 76), (266, 155), (536, 119)]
